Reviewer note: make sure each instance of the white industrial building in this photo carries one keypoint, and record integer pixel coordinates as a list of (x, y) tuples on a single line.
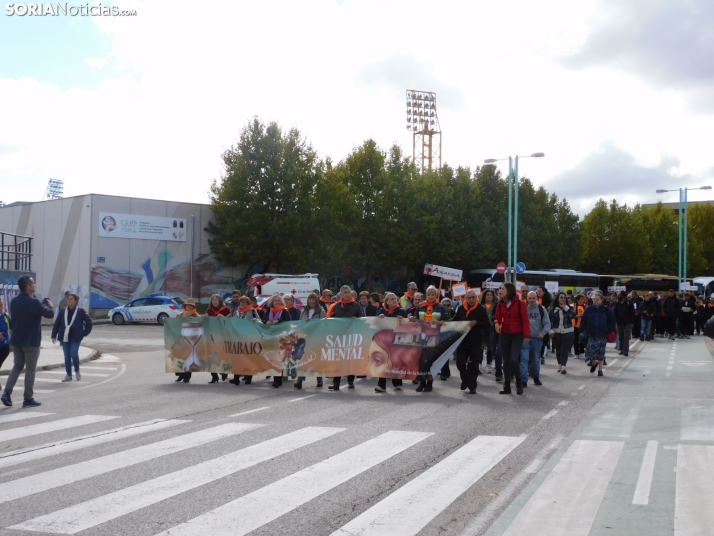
[(111, 249)]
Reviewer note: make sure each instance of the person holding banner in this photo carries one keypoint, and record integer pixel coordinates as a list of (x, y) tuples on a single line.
[(277, 313), (391, 309), (514, 329), (245, 311), (431, 310), (326, 299), (188, 311), (470, 351), (217, 309), (289, 302), (312, 311), (345, 307), (367, 308)]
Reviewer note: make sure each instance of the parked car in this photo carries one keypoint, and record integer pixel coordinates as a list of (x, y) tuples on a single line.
[(151, 308)]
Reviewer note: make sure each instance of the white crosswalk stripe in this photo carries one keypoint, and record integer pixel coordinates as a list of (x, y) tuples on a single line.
[(693, 513), (102, 509), (53, 426), (13, 417), (87, 374), (569, 499), (61, 476), (270, 502), (15, 457), (405, 513)]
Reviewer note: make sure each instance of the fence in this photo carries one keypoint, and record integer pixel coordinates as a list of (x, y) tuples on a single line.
[(15, 252)]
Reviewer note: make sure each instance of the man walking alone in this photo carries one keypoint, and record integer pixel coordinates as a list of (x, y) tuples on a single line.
[(26, 312)]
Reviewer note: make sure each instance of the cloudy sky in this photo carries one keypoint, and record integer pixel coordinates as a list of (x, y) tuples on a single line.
[(619, 95)]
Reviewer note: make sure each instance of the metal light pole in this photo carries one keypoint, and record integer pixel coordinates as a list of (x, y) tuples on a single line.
[(512, 209), (683, 230)]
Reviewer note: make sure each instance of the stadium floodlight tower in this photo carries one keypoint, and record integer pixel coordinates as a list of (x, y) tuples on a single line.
[(55, 189), (423, 122)]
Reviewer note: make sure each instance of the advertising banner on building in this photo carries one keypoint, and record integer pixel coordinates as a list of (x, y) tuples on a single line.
[(114, 225), (377, 347)]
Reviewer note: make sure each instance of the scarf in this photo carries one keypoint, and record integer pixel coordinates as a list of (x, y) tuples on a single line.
[(392, 310), (331, 310), (468, 310), (326, 300), (275, 310), (409, 295), (67, 324), (430, 309), (245, 310), (488, 305)]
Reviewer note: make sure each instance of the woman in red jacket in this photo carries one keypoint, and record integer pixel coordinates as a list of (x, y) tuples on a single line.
[(511, 322), (218, 308)]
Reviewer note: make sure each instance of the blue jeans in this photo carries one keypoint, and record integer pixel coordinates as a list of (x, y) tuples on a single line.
[(530, 358), (646, 324), (71, 355)]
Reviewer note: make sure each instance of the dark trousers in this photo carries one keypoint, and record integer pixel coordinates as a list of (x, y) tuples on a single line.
[(672, 325), (623, 334), (577, 346), (511, 344), (4, 352), (562, 343), (185, 376), (687, 323), (699, 321), (636, 327), (467, 359), (544, 348), (446, 370), (382, 382), (25, 357), (338, 379)]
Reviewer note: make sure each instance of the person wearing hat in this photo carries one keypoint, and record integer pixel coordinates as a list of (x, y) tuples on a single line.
[(188, 311)]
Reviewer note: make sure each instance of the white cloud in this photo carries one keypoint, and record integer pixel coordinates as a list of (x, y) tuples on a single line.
[(191, 78), (97, 63)]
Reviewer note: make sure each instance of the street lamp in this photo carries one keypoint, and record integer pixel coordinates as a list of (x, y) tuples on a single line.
[(512, 208), (683, 227)]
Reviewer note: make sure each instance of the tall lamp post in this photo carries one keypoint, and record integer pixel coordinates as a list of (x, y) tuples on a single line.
[(683, 227), (512, 208)]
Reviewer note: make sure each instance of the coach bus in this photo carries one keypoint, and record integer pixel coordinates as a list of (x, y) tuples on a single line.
[(642, 283), (568, 280)]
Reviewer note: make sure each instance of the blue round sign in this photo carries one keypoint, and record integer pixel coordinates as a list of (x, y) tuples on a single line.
[(520, 267)]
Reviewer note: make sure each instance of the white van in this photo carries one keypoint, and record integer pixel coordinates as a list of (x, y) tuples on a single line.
[(299, 285)]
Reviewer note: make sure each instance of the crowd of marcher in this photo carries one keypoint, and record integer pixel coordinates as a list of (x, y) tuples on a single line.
[(511, 331)]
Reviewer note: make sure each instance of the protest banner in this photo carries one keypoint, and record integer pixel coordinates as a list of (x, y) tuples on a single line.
[(450, 274), (377, 347)]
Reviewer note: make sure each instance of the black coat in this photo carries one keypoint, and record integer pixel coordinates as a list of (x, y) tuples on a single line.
[(351, 310), (370, 310), (474, 336), (624, 313)]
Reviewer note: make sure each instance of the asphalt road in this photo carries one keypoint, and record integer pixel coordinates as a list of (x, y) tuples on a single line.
[(564, 458)]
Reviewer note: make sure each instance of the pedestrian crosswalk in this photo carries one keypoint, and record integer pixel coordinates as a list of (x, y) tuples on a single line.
[(566, 497)]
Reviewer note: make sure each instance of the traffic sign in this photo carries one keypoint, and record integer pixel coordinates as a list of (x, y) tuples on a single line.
[(520, 267), (501, 267)]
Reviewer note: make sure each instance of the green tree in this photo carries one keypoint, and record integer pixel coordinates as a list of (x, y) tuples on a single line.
[(263, 205)]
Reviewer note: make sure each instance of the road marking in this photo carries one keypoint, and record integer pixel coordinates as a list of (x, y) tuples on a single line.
[(581, 387), (550, 414), (667, 374), (694, 492), (644, 482), (120, 373), (613, 361), (13, 417), (87, 374), (53, 426), (68, 474), (85, 367), (697, 423), (301, 398), (107, 358), (567, 502), (494, 508), (75, 443), (105, 508), (405, 512), (249, 411), (669, 447), (564, 403), (696, 364), (254, 510), (670, 367), (615, 420)]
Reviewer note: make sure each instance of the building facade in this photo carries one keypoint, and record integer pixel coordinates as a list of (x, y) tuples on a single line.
[(111, 249)]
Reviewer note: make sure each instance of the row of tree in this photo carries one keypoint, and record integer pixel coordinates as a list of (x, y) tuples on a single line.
[(278, 204)]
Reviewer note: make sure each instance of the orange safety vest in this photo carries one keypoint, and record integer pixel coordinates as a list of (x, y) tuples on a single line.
[(579, 310)]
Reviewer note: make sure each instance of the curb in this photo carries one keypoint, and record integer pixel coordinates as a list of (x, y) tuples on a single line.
[(91, 357)]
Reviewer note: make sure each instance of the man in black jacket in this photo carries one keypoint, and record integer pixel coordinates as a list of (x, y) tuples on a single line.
[(26, 312), (671, 308), (469, 352), (367, 308), (625, 316), (636, 302), (345, 307), (648, 311)]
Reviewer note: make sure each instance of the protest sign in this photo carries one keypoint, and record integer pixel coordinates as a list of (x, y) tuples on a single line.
[(377, 347)]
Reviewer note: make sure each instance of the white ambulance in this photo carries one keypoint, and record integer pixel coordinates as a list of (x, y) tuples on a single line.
[(263, 286)]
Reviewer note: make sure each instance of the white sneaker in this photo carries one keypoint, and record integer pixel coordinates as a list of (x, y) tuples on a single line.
[(379, 389), (480, 369), (78, 376), (67, 379), (489, 368), (397, 388)]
